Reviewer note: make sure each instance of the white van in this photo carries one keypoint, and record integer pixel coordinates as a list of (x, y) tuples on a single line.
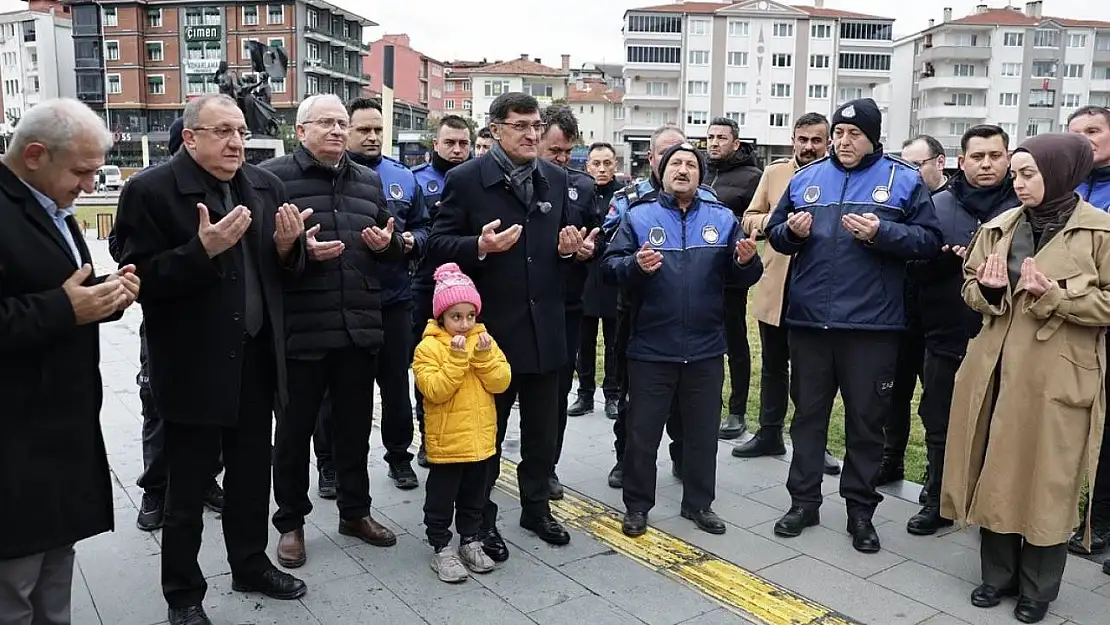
[(111, 181)]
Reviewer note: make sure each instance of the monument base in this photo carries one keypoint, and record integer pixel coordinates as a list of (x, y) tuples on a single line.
[(261, 149)]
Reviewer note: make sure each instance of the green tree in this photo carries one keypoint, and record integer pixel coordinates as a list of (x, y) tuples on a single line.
[(288, 136), (433, 123)]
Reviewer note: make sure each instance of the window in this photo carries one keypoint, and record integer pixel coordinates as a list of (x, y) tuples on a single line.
[(109, 16), (782, 29), (1042, 98), (115, 85), (156, 84), (494, 88), (618, 112), (276, 42), (736, 89), (780, 90), (1076, 40), (1011, 69), (864, 62), (847, 94), (820, 31), (154, 51), (1038, 126), (1072, 100), (204, 50), (538, 89), (448, 104), (963, 69), (250, 15), (154, 18), (962, 99), (654, 24), (1011, 131), (1046, 38), (867, 31), (782, 60), (277, 85), (1044, 69), (1073, 70), (275, 14), (699, 27), (779, 120), (739, 117), (965, 40), (312, 20), (1013, 40), (207, 16), (1008, 99), (312, 51), (657, 88), (699, 57), (1102, 43), (111, 50), (198, 84), (818, 92), (697, 118), (957, 129), (653, 54), (697, 87), (737, 59), (819, 61), (738, 28)]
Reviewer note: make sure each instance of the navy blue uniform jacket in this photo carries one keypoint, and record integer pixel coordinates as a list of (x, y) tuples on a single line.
[(406, 205)]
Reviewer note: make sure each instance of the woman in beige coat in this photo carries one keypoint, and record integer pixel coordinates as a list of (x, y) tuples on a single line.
[(1027, 411)]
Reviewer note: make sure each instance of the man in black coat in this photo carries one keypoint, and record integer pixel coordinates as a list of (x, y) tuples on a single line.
[(734, 174), (215, 329), (503, 219), (333, 325), (55, 486)]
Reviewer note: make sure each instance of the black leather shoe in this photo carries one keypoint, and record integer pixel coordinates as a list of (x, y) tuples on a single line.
[(422, 457), (1100, 539), (891, 470), (611, 408), (733, 427), (325, 487), (403, 476), (795, 520), (494, 545), (152, 512), (189, 615), (706, 520), (923, 496), (763, 443), (832, 465), (555, 487), (214, 498), (547, 528), (634, 524), (927, 522), (1030, 611), (987, 596), (581, 406), (273, 583), (864, 537), (616, 475)]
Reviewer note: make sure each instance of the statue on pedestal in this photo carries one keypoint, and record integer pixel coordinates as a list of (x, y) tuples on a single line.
[(252, 91)]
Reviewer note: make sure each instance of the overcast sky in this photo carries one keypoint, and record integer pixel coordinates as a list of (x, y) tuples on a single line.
[(589, 30)]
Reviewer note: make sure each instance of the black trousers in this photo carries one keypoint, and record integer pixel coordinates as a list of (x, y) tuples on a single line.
[(394, 360), (739, 353), (587, 358), (1010, 562), (654, 388), (566, 376), (861, 365), (421, 313), (191, 452), (774, 385), (539, 432), (455, 490), (896, 428), (345, 376), (939, 376)]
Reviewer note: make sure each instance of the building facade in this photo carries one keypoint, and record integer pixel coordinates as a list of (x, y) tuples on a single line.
[(1010, 66), (417, 78), (139, 62), (599, 108), (472, 86), (761, 63), (36, 61)]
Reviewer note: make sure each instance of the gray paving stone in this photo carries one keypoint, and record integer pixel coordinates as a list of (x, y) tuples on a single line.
[(740, 481), (125, 592), (529, 585), (739, 546), (581, 545), (945, 619), (357, 599), (82, 610), (645, 594), (933, 551), (224, 605), (475, 605), (1084, 573), (124, 544), (720, 616), (834, 514), (836, 549), (404, 570), (589, 609), (326, 561), (1081, 606), (861, 599)]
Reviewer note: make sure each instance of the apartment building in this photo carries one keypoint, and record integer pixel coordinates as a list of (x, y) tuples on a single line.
[(36, 60), (1010, 66), (140, 61), (759, 62), (599, 108), (472, 86), (417, 77)]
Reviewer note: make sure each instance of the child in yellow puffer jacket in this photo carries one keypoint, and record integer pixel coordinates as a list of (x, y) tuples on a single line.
[(459, 368)]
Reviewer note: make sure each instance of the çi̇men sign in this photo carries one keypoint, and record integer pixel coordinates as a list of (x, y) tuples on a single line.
[(203, 33)]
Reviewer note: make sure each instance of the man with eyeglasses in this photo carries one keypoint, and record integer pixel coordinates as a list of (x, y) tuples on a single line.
[(213, 239), (334, 323), (504, 219)]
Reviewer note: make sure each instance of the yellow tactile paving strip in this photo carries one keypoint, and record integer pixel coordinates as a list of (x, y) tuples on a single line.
[(741, 590)]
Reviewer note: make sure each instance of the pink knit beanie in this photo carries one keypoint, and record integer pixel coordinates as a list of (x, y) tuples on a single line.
[(453, 287)]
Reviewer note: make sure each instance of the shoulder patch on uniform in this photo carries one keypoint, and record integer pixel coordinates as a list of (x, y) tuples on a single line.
[(395, 191), (899, 159), (657, 236), (432, 186)]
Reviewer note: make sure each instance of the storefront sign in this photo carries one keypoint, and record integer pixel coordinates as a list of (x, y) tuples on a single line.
[(201, 66), (203, 33)]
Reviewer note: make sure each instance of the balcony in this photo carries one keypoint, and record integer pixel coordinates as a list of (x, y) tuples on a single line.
[(951, 111), (651, 70), (955, 53), (1100, 85), (336, 70), (652, 99), (1102, 56), (955, 82), (320, 33)]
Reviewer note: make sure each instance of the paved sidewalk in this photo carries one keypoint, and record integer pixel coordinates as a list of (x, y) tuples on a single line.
[(914, 580)]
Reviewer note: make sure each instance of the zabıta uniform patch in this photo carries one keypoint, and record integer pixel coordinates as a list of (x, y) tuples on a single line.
[(880, 195), (396, 192), (657, 236), (433, 186), (812, 193), (710, 235), (573, 194)]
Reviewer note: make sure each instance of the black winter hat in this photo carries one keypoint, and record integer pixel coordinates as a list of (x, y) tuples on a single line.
[(175, 140), (681, 147), (863, 114)]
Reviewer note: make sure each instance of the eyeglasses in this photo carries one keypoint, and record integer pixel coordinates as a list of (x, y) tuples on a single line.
[(225, 132), (330, 123), (522, 127)]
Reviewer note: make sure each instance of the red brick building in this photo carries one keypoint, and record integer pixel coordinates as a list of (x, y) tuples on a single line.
[(417, 78)]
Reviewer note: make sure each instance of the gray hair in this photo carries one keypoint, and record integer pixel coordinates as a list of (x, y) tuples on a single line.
[(56, 122), (662, 130), (191, 117), (304, 111)]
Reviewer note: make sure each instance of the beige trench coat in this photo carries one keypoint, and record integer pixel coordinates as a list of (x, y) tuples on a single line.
[(767, 297), (1046, 428)]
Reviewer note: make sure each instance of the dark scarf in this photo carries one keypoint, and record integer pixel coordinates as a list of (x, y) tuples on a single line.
[(983, 202), (443, 165), (519, 177), (368, 161), (1064, 160)]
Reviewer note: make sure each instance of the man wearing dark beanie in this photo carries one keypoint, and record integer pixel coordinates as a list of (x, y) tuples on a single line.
[(851, 221)]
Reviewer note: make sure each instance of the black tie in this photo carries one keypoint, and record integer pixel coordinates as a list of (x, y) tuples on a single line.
[(252, 321)]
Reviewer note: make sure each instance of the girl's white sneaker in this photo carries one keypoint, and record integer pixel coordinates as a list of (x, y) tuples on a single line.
[(447, 565), (475, 558)]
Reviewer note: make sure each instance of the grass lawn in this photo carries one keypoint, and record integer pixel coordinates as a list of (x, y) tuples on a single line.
[(915, 451), (86, 213)]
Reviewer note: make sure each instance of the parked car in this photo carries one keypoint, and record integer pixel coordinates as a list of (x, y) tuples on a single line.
[(108, 178)]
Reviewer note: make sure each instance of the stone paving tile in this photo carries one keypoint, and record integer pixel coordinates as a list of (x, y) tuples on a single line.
[(945, 619), (82, 610), (523, 541), (475, 605), (719, 616), (357, 599), (739, 546), (127, 592), (224, 605), (404, 569), (589, 609), (836, 549), (1081, 606), (529, 584)]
